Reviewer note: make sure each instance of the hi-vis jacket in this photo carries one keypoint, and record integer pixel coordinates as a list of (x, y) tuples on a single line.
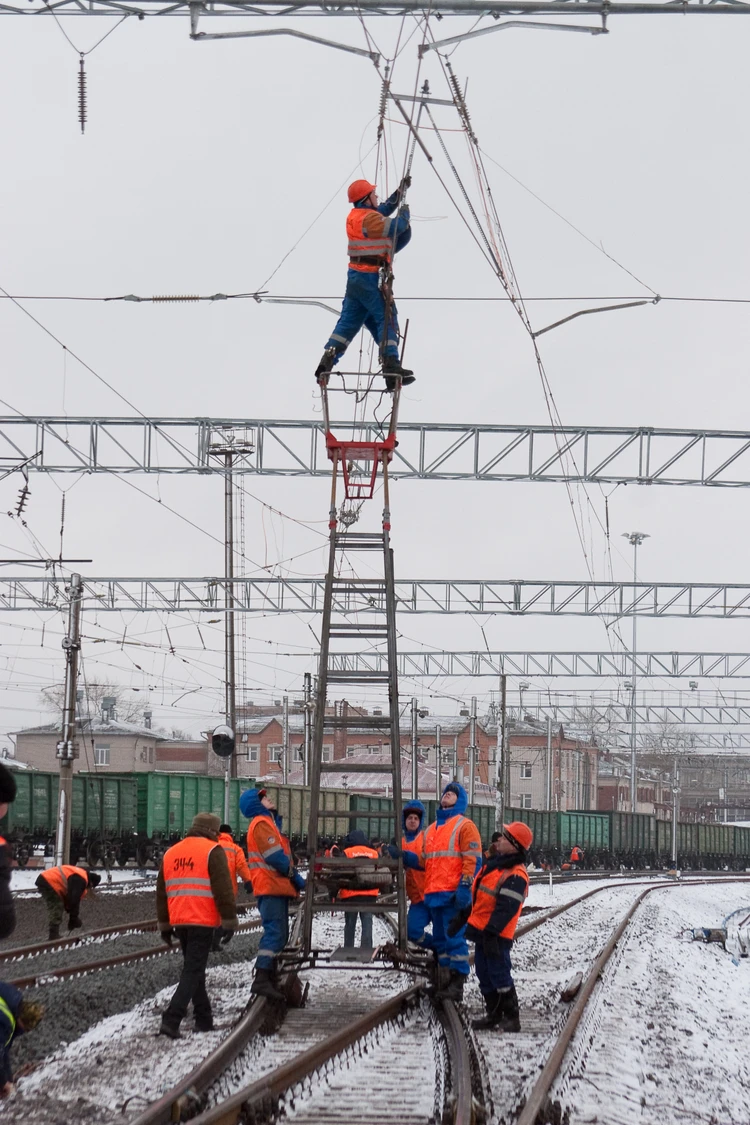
[(498, 896), (57, 877), (235, 860), (414, 878), (265, 841), (372, 236), (450, 851), (355, 852), (188, 883)]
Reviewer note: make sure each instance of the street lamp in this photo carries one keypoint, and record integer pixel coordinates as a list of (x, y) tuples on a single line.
[(635, 538)]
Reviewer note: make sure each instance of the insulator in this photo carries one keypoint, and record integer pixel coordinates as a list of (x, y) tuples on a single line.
[(82, 105), (23, 496), (185, 297), (383, 102)]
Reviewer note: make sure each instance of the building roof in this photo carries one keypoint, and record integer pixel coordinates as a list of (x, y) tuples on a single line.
[(111, 727)]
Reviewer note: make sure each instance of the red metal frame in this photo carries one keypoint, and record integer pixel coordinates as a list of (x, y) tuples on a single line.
[(345, 452)]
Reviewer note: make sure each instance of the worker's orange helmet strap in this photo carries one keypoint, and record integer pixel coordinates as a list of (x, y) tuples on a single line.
[(519, 834), (359, 190)]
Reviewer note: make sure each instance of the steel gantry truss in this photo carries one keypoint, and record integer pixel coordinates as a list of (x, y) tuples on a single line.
[(596, 715), (426, 450), (431, 595), (357, 8)]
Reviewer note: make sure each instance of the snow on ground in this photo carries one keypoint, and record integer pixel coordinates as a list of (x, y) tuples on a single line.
[(667, 1040)]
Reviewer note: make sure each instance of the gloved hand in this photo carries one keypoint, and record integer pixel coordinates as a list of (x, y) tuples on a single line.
[(225, 936), (166, 936), (74, 923), (248, 887), (405, 183), (394, 852), (298, 881), (406, 212), (462, 897), (457, 922), (491, 945)]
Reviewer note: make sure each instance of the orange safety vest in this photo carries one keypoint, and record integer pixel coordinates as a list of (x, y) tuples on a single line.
[(57, 877), (357, 851), (360, 246), (235, 860), (414, 879), (485, 893), (266, 879), (576, 855), (442, 856), (190, 899)]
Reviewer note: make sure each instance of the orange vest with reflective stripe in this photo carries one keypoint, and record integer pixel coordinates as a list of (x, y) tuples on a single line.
[(359, 851), (485, 893), (414, 879), (266, 879), (57, 877), (188, 884), (235, 860), (360, 246), (443, 860)]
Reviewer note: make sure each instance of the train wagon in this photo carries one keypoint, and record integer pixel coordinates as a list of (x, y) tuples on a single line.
[(633, 838)]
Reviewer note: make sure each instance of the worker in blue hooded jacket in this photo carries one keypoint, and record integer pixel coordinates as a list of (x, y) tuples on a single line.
[(451, 856), (274, 880)]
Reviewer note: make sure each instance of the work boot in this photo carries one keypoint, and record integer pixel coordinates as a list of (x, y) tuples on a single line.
[(54, 933), (392, 366), (453, 990), (170, 1028), (493, 1009), (264, 984), (204, 1023), (325, 367), (509, 1015)]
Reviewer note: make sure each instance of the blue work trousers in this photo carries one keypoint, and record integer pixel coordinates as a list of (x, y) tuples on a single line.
[(274, 914), (453, 952), (493, 973), (417, 921), (364, 304)]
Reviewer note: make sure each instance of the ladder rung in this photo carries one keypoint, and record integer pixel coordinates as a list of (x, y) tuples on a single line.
[(355, 635), (360, 906), (358, 677), (354, 583), (344, 765), (353, 814), (359, 537), (362, 722)]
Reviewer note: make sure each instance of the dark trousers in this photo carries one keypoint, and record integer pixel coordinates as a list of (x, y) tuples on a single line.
[(494, 973), (53, 902), (196, 946), (350, 924)]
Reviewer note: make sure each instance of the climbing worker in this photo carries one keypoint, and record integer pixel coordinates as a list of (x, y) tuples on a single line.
[(373, 239), (194, 895), (451, 856), (357, 847), (576, 855), (418, 918), (18, 1014), (498, 896), (275, 882), (7, 906), (63, 889)]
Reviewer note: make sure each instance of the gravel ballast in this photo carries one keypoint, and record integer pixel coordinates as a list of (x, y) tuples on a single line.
[(110, 908)]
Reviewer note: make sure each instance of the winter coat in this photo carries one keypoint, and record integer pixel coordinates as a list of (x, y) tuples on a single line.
[(7, 906), (9, 1029)]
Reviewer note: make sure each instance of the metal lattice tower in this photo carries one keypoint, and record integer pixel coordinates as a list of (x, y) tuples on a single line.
[(355, 465)]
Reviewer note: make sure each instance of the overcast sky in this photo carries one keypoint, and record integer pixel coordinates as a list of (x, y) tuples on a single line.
[(202, 166)]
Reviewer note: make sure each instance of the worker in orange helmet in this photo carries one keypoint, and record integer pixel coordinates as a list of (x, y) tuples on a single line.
[(373, 239), (497, 899)]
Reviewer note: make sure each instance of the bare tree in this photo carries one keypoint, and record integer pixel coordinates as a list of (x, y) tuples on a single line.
[(129, 707)]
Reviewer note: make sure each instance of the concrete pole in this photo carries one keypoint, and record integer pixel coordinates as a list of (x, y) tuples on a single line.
[(67, 747), (472, 747), (675, 810), (414, 749), (285, 739), (307, 744), (502, 752), (548, 770), (229, 670), (438, 765)]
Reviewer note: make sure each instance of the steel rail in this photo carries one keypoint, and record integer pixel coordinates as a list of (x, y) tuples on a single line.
[(36, 948), (538, 1095), (273, 1085), (461, 1070), (51, 976), (32, 892)]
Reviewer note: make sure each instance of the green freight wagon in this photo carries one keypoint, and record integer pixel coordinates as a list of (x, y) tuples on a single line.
[(741, 848), (31, 818), (716, 844), (590, 831), (546, 828), (293, 803), (633, 838), (374, 827)]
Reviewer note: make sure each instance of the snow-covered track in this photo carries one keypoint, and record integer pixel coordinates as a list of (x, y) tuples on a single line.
[(22, 951)]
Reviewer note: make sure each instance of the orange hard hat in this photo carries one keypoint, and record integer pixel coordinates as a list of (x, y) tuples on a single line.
[(359, 190), (519, 834)]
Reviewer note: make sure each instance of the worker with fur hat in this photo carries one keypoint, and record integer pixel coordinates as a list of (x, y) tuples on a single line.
[(7, 907), (275, 882), (498, 895), (63, 889), (194, 896), (18, 1014)]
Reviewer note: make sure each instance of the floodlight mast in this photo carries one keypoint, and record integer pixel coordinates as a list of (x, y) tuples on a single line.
[(635, 538)]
